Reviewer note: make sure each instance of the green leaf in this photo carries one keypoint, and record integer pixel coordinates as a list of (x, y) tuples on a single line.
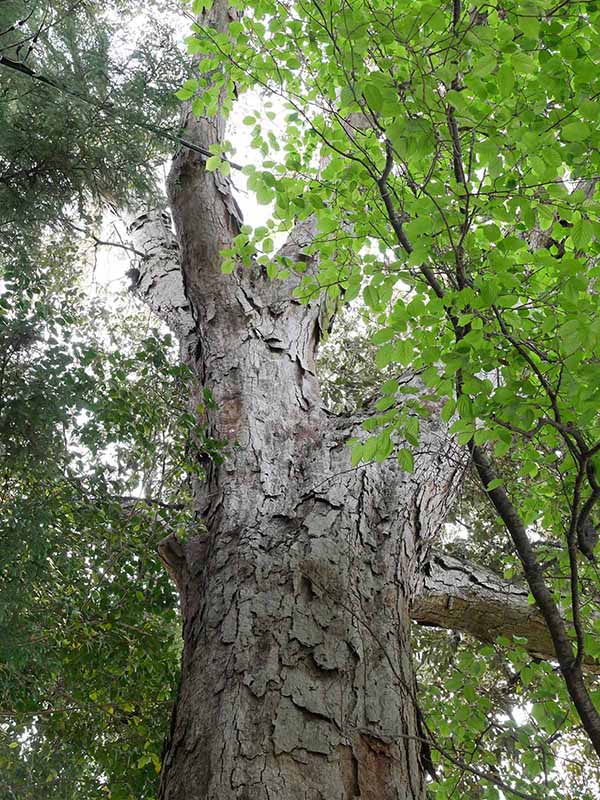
[(373, 97), (464, 407), (383, 335), (370, 296), (485, 65), (492, 233), (448, 410), (582, 234), (384, 356), (187, 90), (390, 387), (356, 455), (406, 460), (384, 403), (575, 131), (212, 163)]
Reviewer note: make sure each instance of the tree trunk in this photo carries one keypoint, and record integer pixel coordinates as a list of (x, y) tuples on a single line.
[(296, 676), (298, 586), (297, 679)]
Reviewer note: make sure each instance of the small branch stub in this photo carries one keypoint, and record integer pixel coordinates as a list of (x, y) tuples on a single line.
[(172, 554)]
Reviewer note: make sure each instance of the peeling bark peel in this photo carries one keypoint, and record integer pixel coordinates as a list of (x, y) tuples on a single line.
[(459, 595), (158, 281), (297, 679)]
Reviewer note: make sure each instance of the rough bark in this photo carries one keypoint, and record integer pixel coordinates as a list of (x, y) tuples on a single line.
[(156, 277), (452, 593), (298, 588), (296, 674), (297, 679), (459, 595), (463, 596)]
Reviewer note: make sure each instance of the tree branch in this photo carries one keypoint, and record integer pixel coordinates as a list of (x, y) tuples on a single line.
[(108, 108), (157, 279), (463, 596)]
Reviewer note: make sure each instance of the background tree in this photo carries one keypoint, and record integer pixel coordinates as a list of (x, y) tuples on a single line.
[(87, 632)]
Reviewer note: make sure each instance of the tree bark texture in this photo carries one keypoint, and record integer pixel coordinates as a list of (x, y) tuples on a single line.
[(298, 587), (298, 590), (459, 595), (297, 679), (157, 279), (296, 675)]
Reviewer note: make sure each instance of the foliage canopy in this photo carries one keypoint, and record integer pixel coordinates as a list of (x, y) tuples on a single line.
[(88, 643)]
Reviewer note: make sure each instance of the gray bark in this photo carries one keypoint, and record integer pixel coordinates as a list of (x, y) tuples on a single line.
[(298, 587), (459, 595), (297, 679), (452, 593), (296, 674), (156, 278)]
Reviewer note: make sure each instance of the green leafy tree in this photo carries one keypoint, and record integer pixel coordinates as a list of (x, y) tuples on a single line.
[(88, 655)]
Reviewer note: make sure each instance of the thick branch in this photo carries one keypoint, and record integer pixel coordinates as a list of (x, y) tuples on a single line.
[(463, 596), (157, 278)]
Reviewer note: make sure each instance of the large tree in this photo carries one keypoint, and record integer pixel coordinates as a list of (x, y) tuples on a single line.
[(88, 643), (297, 593)]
